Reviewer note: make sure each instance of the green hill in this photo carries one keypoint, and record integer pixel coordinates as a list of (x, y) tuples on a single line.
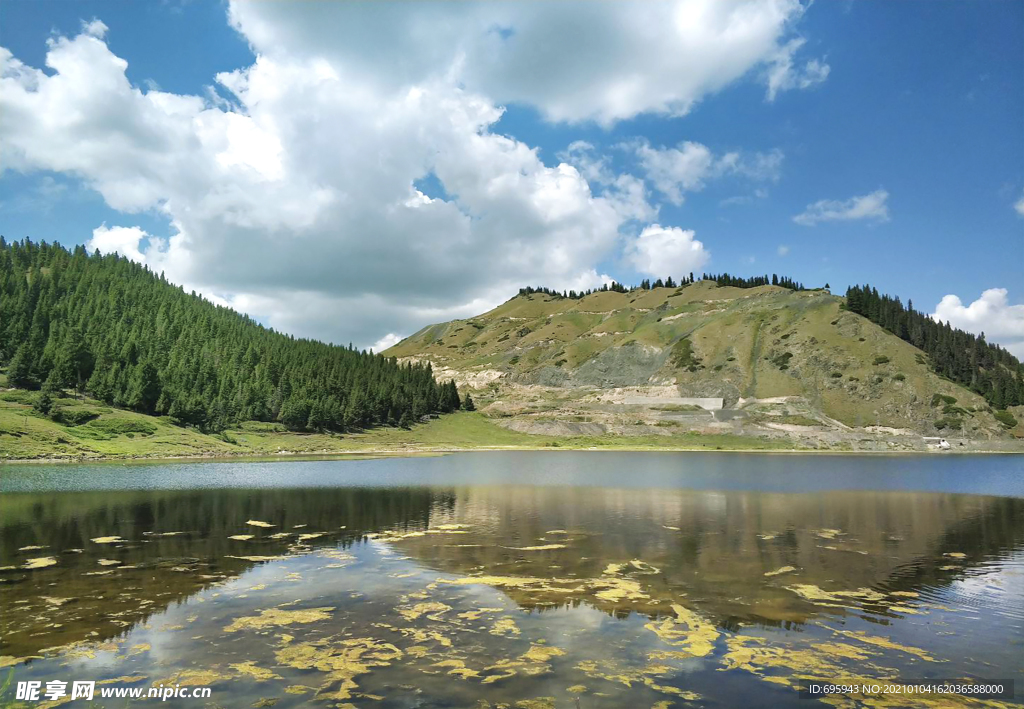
[(763, 361), (80, 333)]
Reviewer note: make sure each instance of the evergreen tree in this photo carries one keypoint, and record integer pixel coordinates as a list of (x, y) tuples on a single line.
[(962, 357), (467, 403)]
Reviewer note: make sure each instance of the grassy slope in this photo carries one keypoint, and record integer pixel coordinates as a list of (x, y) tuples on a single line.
[(736, 333), (26, 435)]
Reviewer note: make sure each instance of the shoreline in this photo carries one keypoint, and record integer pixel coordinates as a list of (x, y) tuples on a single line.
[(447, 450)]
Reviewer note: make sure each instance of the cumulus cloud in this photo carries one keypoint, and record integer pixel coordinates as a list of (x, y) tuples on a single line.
[(871, 207), (389, 340), (271, 199), (290, 192), (664, 251), (609, 62), (991, 314), (122, 240), (783, 250), (1019, 206), (689, 165)]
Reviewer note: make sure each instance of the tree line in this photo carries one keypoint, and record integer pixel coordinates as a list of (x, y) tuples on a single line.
[(722, 279), (967, 359), (110, 327)]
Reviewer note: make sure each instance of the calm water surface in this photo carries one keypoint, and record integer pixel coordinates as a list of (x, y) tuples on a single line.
[(516, 579)]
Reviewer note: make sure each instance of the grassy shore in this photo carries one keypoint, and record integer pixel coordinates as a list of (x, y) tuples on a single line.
[(104, 433)]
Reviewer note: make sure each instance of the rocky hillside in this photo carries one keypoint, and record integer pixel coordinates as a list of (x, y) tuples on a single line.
[(763, 361)]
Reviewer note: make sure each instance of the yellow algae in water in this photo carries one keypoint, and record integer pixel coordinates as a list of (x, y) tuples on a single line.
[(11, 661), (668, 526), (780, 570), (273, 617), (955, 555), (311, 535), (54, 601), (458, 668), (754, 655), (452, 526), (828, 533), (886, 643), (542, 653), (139, 649), (767, 537), (644, 567), (420, 635), (241, 537), (475, 615), (576, 689), (667, 689), (39, 563), (255, 558), (905, 594), (811, 592), (31, 548), (432, 608), (281, 535), (298, 689), (538, 703), (616, 589), (249, 668), (497, 581), (686, 630), (342, 662), (108, 562), (257, 523), (613, 569), (540, 547), (107, 540), (335, 554), (504, 626), (194, 678)]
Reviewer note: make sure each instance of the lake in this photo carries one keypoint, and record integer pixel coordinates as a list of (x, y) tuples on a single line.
[(518, 579)]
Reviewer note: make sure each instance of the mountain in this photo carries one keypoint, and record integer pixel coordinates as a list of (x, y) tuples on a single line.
[(760, 361)]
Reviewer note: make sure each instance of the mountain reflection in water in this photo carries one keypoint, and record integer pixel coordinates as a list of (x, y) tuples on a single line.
[(453, 595)]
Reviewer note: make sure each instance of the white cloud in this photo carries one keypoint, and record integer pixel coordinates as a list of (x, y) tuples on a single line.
[(307, 186), (870, 206), (293, 198), (389, 340), (991, 314), (688, 166), (626, 192), (783, 250), (121, 240), (783, 75), (1019, 206), (666, 251), (607, 62)]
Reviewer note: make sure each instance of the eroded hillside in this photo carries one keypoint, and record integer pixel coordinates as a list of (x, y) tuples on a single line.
[(763, 361)]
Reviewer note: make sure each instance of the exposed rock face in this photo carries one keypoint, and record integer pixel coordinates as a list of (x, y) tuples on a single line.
[(761, 361)]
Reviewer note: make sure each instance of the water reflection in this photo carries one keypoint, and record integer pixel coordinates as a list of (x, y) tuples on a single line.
[(446, 596)]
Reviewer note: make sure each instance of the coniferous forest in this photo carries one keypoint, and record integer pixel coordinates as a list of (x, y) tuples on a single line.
[(962, 357), (722, 279), (107, 326)]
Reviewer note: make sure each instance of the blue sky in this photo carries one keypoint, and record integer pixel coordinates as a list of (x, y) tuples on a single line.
[(920, 108)]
